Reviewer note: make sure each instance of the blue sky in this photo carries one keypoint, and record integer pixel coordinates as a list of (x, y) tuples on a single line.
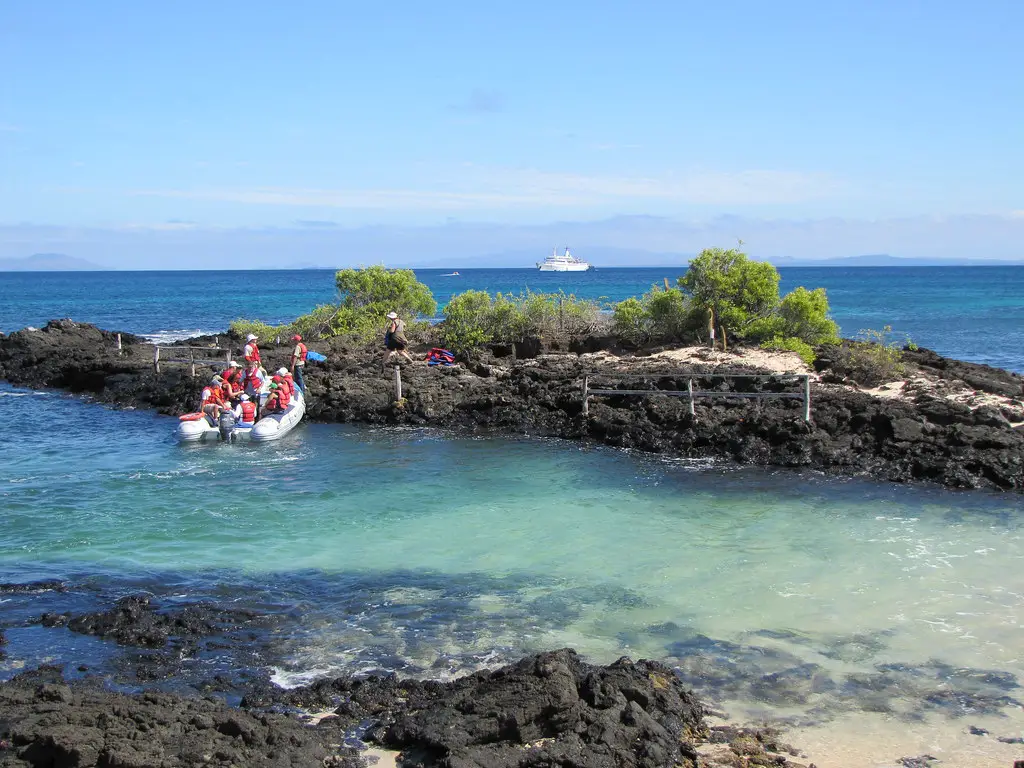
[(129, 122)]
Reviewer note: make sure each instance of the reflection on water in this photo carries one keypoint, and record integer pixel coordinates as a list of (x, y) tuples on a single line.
[(776, 593)]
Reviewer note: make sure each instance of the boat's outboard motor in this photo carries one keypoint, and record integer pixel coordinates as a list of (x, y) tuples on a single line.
[(227, 426)]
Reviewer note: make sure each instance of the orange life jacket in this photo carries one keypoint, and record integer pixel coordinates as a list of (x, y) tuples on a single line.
[(252, 352), (303, 351), (212, 394), (248, 412), (234, 375)]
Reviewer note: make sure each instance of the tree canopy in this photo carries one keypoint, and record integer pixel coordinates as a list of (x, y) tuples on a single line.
[(736, 289)]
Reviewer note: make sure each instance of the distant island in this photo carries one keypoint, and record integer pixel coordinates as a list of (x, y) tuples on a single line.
[(47, 262), (885, 260)]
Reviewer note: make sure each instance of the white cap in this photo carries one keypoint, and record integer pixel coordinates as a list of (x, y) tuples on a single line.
[(392, 315), (282, 371), (251, 337), (244, 397), (233, 364), (216, 380)]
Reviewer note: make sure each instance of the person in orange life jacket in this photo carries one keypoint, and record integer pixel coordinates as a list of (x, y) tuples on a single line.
[(212, 399), (245, 411), (280, 396), (284, 380), (252, 350), (232, 387), (299, 362), (281, 392), (253, 381), (232, 373), (291, 382)]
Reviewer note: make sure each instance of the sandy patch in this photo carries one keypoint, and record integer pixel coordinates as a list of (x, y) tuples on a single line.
[(767, 360), (871, 741), (910, 389), (381, 758)]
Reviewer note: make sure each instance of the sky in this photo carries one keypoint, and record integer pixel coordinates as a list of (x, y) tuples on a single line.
[(160, 135)]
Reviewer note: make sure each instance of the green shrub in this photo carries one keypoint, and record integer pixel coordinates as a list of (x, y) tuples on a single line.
[(791, 344), (870, 360), (474, 318), (322, 322), (669, 312), (631, 322), (765, 329), (804, 315), (241, 328), (468, 321)]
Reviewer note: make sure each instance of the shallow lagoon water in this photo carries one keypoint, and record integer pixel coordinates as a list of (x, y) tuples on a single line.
[(774, 593)]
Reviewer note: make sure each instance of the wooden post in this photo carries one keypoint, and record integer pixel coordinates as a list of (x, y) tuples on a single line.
[(586, 396), (192, 361), (119, 343), (807, 399), (227, 355), (398, 383), (156, 359), (689, 388), (725, 346)]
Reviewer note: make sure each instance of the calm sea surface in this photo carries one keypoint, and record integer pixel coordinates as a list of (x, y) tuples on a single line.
[(826, 601), (973, 313)]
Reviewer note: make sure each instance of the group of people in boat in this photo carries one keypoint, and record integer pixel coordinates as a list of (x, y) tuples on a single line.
[(239, 390)]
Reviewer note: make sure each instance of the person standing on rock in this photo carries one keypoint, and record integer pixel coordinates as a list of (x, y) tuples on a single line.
[(395, 339), (298, 366), (252, 350)]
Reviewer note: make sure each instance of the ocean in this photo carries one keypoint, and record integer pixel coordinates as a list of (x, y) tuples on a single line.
[(972, 313), (877, 619)]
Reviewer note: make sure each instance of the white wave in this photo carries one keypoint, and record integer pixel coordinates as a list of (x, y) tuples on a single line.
[(293, 679), (171, 336)]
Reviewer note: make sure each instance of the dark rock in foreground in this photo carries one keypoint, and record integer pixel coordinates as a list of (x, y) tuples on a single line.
[(546, 710), (45, 721), (921, 436)]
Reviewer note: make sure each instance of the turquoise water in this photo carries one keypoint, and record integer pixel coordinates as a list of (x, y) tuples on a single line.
[(432, 554), (972, 313)]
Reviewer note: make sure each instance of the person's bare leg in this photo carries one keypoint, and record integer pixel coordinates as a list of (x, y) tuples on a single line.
[(406, 355)]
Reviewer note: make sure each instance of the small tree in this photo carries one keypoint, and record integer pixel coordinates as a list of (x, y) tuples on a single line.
[(375, 291), (735, 289)]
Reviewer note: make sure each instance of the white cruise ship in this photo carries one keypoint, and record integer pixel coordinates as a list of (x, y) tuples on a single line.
[(565, 262)]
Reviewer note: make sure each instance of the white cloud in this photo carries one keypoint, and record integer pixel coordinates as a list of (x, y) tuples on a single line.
[(481, 187)]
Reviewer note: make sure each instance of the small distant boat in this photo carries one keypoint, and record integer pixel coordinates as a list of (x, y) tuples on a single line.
[(564, 262), (451, 274)]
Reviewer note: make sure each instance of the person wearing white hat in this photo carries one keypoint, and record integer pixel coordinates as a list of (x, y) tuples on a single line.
[(252, 350), (395, 339), (232, 376), (211, 401), (245, 412)]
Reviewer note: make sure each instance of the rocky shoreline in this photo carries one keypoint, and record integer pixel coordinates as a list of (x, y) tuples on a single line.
[(948, 422)]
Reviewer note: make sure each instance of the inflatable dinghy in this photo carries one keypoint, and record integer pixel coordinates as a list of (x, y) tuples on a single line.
[(196, 427)]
